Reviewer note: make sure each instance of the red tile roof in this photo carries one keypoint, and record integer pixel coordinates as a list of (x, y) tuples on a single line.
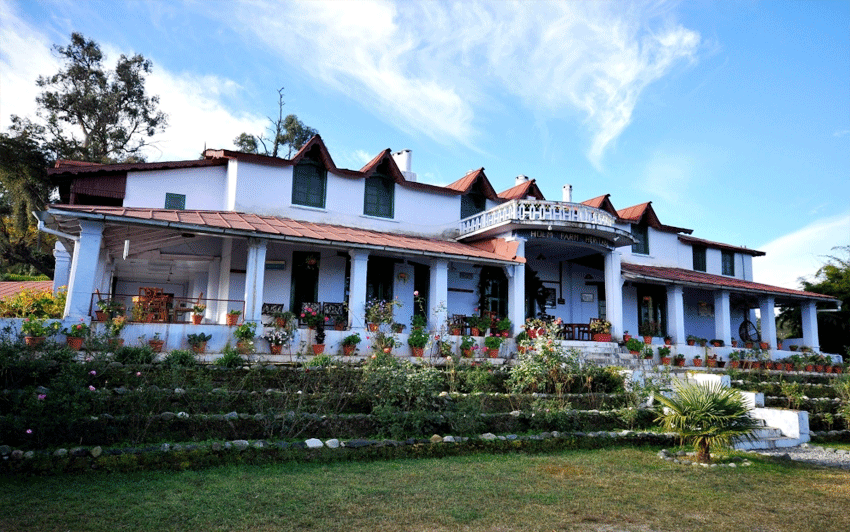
[(602, 202), (278, 228), (720, 245), (76, 169), (465, 183), (645, 213), (690, 277), (10, 288), (522, 191)]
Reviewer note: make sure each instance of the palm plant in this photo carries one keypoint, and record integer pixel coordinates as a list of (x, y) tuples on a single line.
[(707, 415)]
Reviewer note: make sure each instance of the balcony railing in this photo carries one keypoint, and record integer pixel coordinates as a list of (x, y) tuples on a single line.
[(535, 211)]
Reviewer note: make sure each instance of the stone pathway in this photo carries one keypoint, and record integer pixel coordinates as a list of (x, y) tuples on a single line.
[(812, 454)]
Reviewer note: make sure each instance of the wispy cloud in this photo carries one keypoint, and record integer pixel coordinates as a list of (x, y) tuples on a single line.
[(194, 102), (841, 133), (430, 67), (801, 253), (668, 175)]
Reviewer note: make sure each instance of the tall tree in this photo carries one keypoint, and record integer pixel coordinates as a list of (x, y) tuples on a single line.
[(284, 132), (93, 114)]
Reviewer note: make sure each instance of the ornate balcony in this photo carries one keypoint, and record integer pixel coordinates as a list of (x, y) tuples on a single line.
[(550, 217)]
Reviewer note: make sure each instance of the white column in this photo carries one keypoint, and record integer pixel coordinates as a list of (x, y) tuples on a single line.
[(357, 289), (224, 279), (213, 274), (768, 320), (809, 312), (722, 317), (255, 273), (676, 313), (614, 293), (62, 270), (81, 282), (438, 293), (516, 289)]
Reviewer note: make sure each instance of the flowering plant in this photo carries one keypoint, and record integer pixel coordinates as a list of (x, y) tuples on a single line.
[(600, 326), (114, 326), (418, 338), (482, 323), (246, 331), (351, 339), (278, 337), (33, 326), (493, 342), (198, 310), (109, 305), (79, 330), (312, 317), (381, 311), (502, 325), (466, 342)]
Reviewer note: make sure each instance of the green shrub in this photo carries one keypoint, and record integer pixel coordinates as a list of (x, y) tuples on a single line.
[(128, 354), (230, 358), (180, 358)]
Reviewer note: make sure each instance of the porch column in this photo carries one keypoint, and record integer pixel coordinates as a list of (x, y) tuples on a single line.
[(224, 279), (768, 321), (676, 313), (438, 293), (62, 271), (516, 296), (84, 268), (255, 273), (357, 290), (213, 273), (614, 293), (809, 312), (722, 317)]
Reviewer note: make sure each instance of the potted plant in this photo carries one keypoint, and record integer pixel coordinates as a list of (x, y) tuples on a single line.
[(349, 344), (679, 360), (703, 342), (691, 339), (198, 342), (717, 343), (313, 317), (233, 317), (734, 343), (156, 343), (107, 308), (282, 318), (521, 339), (647, 329), (398, 328), (735, 359), (664, 353), (493, 344), (319, 344), (634, 346), (467, 344), (478, 325), (668, 340), (35, 331), (601, 330), (277, 338), (245, 334), (198, 313), (697, 361), (503, 326), (75, 334), (647, 352), (417, 340), (379, 311), (113, 330), (626, 336)]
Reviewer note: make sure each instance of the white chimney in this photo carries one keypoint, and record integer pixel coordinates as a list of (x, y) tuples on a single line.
[(568, 193), (520, 179), (404, 160)]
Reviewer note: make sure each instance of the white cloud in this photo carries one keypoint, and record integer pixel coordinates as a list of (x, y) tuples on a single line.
[(801, 253), (429, 66), (192, 101), (667, 176)]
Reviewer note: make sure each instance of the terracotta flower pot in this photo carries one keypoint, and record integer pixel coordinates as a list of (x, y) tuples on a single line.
[(197, 319), (473, 331), (467, 353), (232, 319), (34, 341), (636, 353), (74, 342), (627, 337), (666, 360), (199, 348), (373, 327), (601, 337), (280, 322), (348, 350), (647, 340), (493, 352), (668, 342), (734, 343), (764, 345), (339, 326), (318, 349), (734, 363), (156, 345), (275, 349), (691, 342), (418, 352), (455, 332), (697, 362), (100, 315), (837, 369), (748, 345), (680, 362)]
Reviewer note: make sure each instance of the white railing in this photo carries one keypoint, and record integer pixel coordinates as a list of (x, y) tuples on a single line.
[(533, 210)]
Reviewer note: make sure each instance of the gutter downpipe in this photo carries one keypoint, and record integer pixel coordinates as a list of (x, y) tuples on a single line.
[(44, 229)]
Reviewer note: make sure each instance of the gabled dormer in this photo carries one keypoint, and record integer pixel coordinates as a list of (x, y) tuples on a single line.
[(310, 174), (476, 190), (382, 175), (525, 188), (642, 217)]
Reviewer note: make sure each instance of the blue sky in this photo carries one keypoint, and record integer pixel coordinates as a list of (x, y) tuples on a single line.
[(732, 117)]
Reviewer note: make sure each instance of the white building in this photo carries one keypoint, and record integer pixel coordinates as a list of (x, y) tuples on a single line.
[(240, 230)]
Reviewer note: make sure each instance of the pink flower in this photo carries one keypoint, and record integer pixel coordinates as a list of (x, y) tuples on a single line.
[(138, 374), (42, 396), (91, 388), (326, 318), (92, 372), (302, 314), (29, 431), (416, 292)]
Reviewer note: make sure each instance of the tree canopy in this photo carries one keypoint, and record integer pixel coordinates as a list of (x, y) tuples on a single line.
[(92, 114), (284, 132)]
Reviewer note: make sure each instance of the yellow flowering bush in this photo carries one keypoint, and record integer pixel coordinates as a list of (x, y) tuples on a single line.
[(35, 303)]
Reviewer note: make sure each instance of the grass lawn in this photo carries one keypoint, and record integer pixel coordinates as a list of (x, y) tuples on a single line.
[(603, 490)]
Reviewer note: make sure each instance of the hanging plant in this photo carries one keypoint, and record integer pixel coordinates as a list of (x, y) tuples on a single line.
[(311, 261)]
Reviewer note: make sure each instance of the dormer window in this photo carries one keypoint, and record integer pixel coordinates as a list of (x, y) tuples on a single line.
[(309, 183), (379, 197), (471, 204), (641, 236), (728, 260), (699, 258)]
